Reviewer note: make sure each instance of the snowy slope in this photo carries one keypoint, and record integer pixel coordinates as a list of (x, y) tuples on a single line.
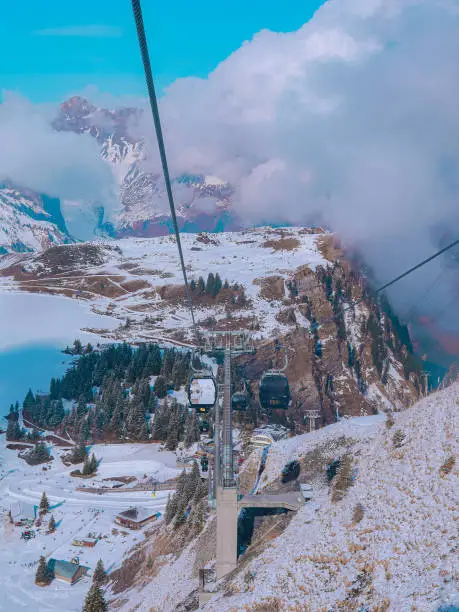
[(24, 223), (239, 257), (77, 514), (407, 539), (401, 556)]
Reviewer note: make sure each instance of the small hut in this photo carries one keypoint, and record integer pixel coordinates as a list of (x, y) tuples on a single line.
[(88, 542), (135, 518), (68, 571)]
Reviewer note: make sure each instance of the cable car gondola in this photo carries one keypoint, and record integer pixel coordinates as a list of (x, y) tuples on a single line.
[(203, 426), (274, 391), (202, 392), (239, 401), (204, 464)]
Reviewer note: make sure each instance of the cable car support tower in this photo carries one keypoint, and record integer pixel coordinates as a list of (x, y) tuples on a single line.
[(231, 343)]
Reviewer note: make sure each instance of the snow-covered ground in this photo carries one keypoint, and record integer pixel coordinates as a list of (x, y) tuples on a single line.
[(405, 546), (401, 556), (77, 514), (244, 257)]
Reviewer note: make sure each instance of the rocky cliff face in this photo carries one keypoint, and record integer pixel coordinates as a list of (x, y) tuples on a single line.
[(342, 359)]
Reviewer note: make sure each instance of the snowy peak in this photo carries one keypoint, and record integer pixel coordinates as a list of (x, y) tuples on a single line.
[(203, 203), (81, 116)]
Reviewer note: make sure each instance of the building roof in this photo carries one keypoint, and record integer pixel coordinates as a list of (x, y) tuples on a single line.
[(65, 569), (22, 511), (137, 514), (88, 540)]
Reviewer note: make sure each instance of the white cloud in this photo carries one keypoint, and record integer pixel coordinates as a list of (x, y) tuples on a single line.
[(83, 31), (352, 120), (60, 164)]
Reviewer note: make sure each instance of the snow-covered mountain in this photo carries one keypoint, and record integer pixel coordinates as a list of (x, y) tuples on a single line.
[(28, 221), (203, 202), (276, 282)]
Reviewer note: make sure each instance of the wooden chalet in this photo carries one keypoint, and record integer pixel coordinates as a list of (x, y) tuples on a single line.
[(68, 571), (135, 518)]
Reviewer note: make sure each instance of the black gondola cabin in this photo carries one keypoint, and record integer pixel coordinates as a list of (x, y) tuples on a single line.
[(274, 391), (239, 401)]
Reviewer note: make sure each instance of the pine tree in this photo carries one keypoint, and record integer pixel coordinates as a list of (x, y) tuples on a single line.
[(188, 439), (81, 407), (29, 400), (79, 453), (195, 427), (168, 363), (201, 491), (136, 423), (160, 423), (173, 431), (193, 285), (218, 284), (77, 347), (179, 372), (161, 386), (51, 524), (93, 464), (193, 482), (44, 504), (226, 284), (171, 508), (180, 516), (199, 515), (95, 601), (156, 360), (210, 284), (116, 422), (86, 467), (201, 285), (13, 431), (43, 575), (100, 575)]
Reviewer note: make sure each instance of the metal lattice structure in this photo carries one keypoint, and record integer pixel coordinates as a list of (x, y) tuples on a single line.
[(312, 415)]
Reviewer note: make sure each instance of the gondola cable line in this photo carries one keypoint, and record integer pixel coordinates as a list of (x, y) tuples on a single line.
[(202, 396), (162, 150)]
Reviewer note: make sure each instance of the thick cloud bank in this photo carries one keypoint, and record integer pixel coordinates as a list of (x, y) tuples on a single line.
[(352, 121)]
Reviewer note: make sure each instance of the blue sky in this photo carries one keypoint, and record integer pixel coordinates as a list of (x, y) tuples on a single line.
[(51, 49)]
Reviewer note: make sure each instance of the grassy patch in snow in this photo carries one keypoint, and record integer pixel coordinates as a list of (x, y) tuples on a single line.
[(343, 479), (283, 244), (447, 466)]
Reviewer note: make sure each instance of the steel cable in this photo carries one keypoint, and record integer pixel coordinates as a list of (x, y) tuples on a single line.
[(162, 151)]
